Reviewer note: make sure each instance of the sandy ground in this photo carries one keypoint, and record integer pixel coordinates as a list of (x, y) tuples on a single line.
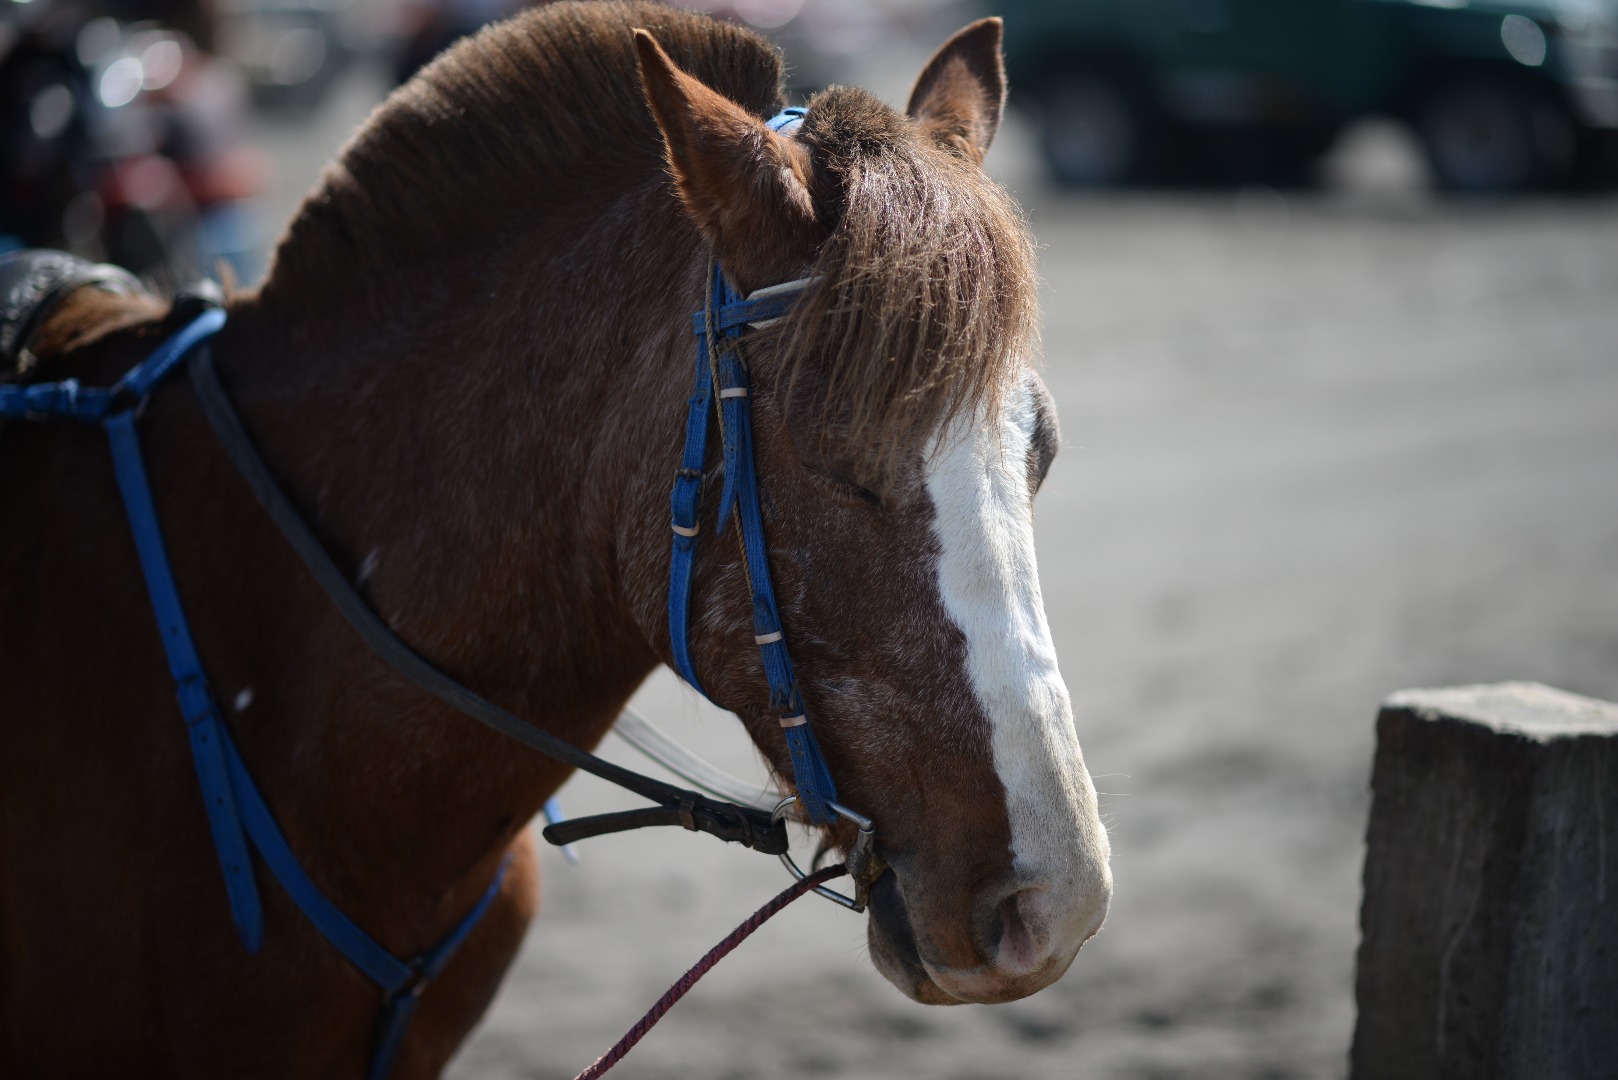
[(1316, 449)]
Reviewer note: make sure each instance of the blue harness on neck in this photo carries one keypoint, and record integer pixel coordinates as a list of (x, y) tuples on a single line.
[(237, 812)]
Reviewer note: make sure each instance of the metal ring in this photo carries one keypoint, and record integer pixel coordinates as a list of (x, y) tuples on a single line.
[(862, 850)]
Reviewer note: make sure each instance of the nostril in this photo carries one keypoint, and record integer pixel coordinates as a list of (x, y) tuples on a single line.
[(1020, 948)]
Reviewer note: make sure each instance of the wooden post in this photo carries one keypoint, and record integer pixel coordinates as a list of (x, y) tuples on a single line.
[(1489, 925)]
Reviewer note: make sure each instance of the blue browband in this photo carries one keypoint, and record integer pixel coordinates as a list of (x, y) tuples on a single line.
[(237, 812), (722, 376)]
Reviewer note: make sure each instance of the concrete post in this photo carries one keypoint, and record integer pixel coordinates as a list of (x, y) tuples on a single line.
[(1489, 924)]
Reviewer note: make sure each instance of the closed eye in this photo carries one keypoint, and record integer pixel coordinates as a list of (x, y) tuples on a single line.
[(847, 489)]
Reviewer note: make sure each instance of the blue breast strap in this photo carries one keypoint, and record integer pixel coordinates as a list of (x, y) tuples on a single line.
[(236, 811), (719, 328)]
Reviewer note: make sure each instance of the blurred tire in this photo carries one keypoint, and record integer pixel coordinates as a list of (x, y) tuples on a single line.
[(1493, 135), (1096, 130), (1276, 157), (1595, 165)]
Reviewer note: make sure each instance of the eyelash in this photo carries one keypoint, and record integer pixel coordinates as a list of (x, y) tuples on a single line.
[(851, 490)]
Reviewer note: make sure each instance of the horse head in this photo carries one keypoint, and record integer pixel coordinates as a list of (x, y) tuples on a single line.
[(900, 435), (468, 368)]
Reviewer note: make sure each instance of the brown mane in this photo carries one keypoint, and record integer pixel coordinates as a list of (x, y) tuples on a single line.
[(541, 115), (928, 294)]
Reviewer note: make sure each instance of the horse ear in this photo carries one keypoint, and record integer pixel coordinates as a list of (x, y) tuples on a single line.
[(745, 186), (961, 93)]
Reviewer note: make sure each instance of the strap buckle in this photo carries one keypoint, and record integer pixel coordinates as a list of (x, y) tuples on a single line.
[(412, 987)]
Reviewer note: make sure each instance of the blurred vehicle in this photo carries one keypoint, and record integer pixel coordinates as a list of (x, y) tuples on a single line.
[(822, 40), (832, 42), (119, 142), (1504, 95), (291, 51), (818, 40), (198, 20), (426, 28)]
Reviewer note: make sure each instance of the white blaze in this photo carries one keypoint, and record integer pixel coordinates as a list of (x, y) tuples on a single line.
[(978, 478)]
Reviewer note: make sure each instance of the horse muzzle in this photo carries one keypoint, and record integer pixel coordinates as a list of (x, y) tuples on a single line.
[(1023, 937)]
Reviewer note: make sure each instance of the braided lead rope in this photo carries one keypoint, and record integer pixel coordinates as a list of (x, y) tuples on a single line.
[(621, 1049)]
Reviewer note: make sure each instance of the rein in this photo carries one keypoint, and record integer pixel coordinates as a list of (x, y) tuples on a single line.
[(674, 993), (676, 806)]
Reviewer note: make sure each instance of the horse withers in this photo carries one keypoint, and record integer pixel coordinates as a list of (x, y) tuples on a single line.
[(469, 367)]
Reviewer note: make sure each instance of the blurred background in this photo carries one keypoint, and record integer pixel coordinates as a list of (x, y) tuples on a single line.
[(1331, 317)]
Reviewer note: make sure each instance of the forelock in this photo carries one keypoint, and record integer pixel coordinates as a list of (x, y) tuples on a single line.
[(926, 296)]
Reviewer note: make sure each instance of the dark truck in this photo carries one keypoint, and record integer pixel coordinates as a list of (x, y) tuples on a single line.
[(1503, 96)]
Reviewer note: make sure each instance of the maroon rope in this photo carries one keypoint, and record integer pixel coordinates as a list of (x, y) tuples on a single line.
[(645, 1024)]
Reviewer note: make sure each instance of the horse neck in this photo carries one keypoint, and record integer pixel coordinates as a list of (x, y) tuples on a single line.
[(472, 455)]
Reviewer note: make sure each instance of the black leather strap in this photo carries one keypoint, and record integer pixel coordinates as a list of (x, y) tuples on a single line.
[(737, 824), (724, 820)]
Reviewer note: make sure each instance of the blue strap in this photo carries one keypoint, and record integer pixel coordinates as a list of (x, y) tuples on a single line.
[(400, 1005), (67, 400), (362, 950), (810, 773), (156, 367), (394, 1021), (787, 120), (402, 981), (204, 724), (687, 490), (739, 313), (236, 811), (726, 318), (728, 313)]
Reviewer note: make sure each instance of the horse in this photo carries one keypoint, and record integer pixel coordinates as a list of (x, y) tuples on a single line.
[(468, 366)]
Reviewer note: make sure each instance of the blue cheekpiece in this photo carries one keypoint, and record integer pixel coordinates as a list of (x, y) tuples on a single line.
[(723, 323)]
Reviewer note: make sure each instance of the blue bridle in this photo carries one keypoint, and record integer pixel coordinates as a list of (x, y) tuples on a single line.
[(722, 378)]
